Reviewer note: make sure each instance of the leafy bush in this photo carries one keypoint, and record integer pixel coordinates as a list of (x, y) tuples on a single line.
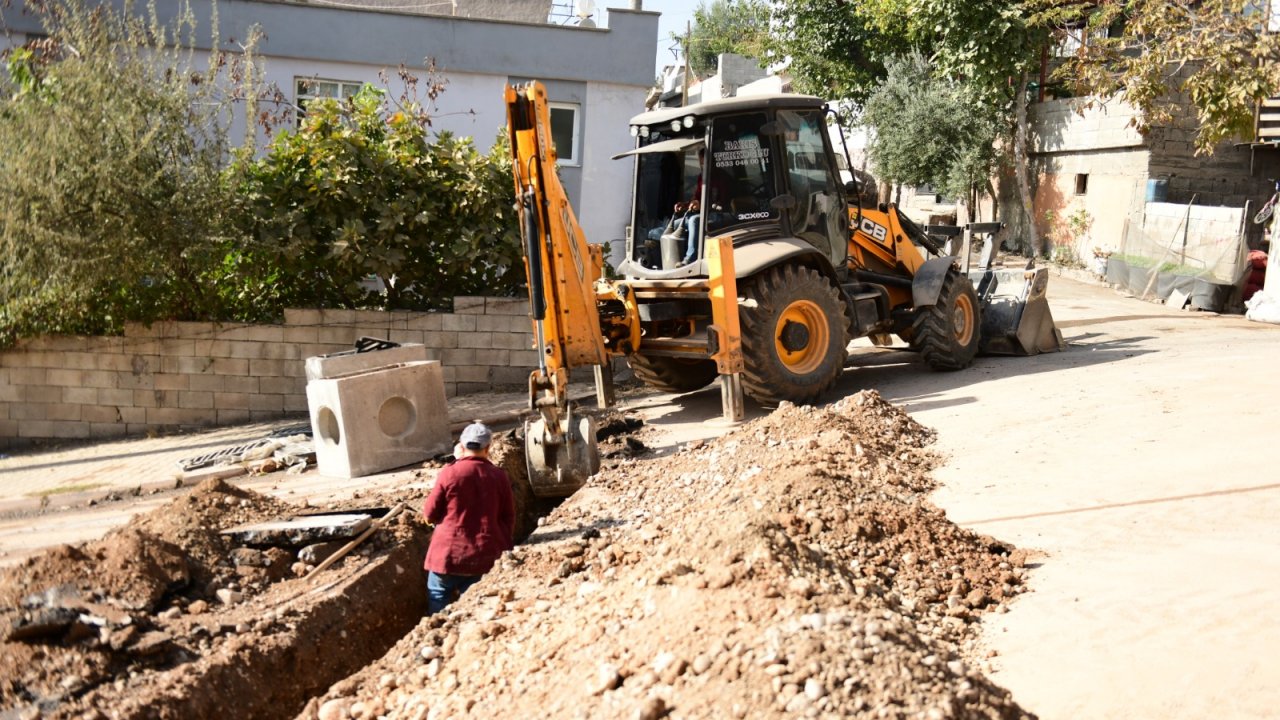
[(111, 150), (119, 201), (360, 191)]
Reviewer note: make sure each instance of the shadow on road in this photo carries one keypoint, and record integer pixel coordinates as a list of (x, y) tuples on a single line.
[(1131, 503), (901, 377)]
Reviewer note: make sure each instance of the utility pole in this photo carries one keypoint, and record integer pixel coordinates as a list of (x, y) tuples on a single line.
[(684, 100)]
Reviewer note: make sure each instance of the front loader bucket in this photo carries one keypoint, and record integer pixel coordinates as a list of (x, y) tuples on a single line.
[(1015, 312)]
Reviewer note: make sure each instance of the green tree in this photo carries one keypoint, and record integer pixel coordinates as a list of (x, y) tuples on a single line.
[(1216, 55), (724, 26), (840, 49), (362, 190), (929, 130), (111, 150), (832, 49)]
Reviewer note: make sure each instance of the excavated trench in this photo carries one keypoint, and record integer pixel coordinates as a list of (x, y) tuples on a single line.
[(168, 618)]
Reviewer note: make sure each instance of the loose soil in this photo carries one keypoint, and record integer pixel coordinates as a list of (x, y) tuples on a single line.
[(166, 618), (791, 568)]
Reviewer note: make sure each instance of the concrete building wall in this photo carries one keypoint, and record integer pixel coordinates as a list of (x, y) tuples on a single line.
[(530, 11), (180, 375), (612, 107), (1113, 185), (476, 57), (1060, 126)]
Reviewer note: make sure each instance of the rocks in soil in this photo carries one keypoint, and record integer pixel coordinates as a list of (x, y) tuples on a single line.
[(793, 567), (166, 590)]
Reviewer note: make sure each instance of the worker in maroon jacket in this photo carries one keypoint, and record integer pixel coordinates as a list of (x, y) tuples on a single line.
[(474, 515)]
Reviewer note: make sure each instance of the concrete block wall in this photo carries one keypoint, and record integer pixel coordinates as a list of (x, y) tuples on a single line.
[(179, 375), (1068, 126)]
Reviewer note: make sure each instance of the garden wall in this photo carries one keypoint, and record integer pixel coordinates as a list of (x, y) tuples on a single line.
[(178, 375)]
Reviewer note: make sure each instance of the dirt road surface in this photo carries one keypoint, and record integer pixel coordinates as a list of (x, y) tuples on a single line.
[(1141, 462)]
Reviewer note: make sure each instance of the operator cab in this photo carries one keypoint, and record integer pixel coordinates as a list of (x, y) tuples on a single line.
[(758, 167)]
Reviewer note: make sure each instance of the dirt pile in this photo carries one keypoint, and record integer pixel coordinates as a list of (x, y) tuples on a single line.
[(791, 568), (166, 617)]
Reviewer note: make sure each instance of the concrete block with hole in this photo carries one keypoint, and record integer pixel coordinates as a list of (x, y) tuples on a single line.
[(376, 411)]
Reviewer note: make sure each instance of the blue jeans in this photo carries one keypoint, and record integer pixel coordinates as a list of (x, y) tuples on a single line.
[(693, 226), (444, 589)]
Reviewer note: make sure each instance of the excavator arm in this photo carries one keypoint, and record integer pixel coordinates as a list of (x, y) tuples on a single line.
[(562, 270)]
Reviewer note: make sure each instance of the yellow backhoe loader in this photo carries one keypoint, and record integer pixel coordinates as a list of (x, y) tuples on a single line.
[(747, 260)]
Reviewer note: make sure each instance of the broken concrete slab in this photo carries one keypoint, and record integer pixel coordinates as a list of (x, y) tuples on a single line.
[(300, 531), (41, 623)]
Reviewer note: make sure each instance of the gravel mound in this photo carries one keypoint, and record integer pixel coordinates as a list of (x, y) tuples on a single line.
[(791, 568)]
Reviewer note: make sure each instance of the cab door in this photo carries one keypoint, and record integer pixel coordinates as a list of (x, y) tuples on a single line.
[(818, 215)]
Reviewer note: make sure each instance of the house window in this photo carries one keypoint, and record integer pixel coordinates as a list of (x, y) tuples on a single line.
[(1082, 183), (308, 89), (565, 132)]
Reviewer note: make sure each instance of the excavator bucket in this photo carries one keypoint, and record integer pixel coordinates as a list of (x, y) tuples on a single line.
[(560, 459), (1015, 312)]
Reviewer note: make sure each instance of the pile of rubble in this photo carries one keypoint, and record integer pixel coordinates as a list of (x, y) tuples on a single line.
[(792, 568)]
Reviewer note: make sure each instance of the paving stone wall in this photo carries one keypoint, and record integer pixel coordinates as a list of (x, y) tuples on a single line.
[(176, 375)]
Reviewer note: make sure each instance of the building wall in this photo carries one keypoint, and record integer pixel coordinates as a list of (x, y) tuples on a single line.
[(612, 106), (530, 11), (178, 375), (477, 57), (1120, 162)]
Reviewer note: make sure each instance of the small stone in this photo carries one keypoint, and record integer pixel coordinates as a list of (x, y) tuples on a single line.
[(336, 709), (430, 652), (652, 709), (607, 678), (171, 613), (775, 670), (801, 586), (242, 628), (798, 703), (248, 557), (814, 690), (198, 607), (701, 664), (387, 682), (433, 668), (227, 596), (298, 569)]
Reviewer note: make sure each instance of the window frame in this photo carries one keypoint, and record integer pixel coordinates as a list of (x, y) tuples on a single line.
[(298, 96), (575, 151)]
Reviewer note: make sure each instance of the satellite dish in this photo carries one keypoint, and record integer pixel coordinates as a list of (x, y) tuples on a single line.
[(587, 23)]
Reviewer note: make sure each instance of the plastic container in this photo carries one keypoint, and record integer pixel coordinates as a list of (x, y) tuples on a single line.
[(1157, 190)]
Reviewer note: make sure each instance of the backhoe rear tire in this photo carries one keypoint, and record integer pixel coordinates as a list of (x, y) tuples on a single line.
[(948, 333), (672, 374), (794, 335)]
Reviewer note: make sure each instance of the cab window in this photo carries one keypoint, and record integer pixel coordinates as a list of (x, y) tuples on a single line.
[(740, 174)]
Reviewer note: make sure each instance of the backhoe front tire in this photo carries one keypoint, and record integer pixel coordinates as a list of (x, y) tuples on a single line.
[(673, 375), (794, 335), (948, 332)]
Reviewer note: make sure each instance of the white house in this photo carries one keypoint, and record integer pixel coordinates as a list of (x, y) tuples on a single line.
[(597, 77)]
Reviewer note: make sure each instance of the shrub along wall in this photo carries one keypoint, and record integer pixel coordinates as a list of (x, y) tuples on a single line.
[(180, 375)]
